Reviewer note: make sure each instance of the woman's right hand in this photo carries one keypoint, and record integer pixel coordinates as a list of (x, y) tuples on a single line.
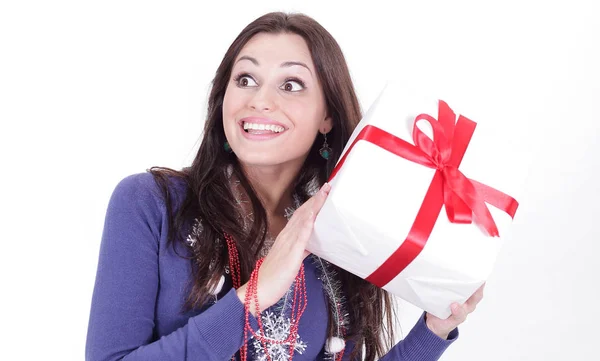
[(282, 264)]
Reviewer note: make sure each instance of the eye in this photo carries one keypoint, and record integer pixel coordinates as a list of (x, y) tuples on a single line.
[(245, 80), (293, 85)]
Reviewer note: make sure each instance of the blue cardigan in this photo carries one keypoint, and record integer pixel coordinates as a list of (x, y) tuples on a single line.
[(141, 286)]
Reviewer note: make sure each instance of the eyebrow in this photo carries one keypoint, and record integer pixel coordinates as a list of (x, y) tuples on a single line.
[(286, 64)]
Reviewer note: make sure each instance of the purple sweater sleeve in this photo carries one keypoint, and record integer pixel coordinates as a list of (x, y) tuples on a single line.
[(123, 304), (419, 345)]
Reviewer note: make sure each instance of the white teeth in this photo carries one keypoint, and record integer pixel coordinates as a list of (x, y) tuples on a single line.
[(271, 127)]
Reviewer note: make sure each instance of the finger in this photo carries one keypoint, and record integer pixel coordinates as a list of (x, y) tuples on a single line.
[(306, 253), (299, 215), (313, 204), (480, 289), (305, 229), (459, 313), (472, 302), (302, 211), (320, 197)]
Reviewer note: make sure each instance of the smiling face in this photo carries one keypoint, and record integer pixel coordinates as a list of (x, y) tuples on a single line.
[(274, 105)]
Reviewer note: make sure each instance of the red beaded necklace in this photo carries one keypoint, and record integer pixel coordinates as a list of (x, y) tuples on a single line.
[(299, 303)]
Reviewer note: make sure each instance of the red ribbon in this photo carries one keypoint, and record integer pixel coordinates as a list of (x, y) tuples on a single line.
[(463, 198)]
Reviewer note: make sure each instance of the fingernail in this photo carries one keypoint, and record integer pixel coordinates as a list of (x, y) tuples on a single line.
[(326, 187), (454, 307)]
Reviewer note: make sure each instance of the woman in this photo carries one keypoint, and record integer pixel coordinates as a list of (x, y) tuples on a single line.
[(178, 277)]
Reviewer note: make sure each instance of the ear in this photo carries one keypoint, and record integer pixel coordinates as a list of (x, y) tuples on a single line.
[(326, 125)]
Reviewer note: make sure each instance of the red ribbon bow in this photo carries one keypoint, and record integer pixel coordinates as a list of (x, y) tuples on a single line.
[(462, 197)]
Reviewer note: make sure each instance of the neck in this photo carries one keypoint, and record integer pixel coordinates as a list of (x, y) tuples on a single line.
[(274, 187)]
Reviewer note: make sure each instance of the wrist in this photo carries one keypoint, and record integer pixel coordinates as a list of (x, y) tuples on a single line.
[(443, 334), (242, 292)]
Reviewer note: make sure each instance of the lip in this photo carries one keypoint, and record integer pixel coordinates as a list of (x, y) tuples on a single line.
[(258, 120)]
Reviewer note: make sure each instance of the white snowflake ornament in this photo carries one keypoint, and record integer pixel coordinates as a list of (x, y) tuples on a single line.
[(277, 328)]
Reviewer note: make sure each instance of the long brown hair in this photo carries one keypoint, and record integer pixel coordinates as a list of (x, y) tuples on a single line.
[(210, 199)]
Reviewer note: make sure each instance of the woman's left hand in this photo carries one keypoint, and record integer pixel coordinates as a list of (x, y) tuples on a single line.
[(459, 314)]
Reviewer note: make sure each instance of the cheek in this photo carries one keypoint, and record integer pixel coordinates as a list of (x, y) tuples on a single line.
[(228, 103), (230, 108), (232, 102), (306, 115)]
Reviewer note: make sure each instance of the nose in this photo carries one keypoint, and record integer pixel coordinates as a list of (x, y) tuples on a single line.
[(263, 100)]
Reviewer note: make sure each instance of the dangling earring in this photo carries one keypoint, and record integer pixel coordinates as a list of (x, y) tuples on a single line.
[(227, 147), (325, 151)]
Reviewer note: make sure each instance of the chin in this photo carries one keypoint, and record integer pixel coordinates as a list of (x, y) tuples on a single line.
[(268, 160), (259, 161)]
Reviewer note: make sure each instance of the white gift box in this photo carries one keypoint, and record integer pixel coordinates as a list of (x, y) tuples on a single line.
[(374, 200)]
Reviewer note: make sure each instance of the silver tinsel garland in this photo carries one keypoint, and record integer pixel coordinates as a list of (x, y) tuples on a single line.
[(335, 296)]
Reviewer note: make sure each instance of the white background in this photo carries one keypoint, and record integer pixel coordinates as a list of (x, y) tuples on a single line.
[(93, 91)]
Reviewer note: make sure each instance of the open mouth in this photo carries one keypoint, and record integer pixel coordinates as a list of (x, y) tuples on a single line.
[(260, 128)]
